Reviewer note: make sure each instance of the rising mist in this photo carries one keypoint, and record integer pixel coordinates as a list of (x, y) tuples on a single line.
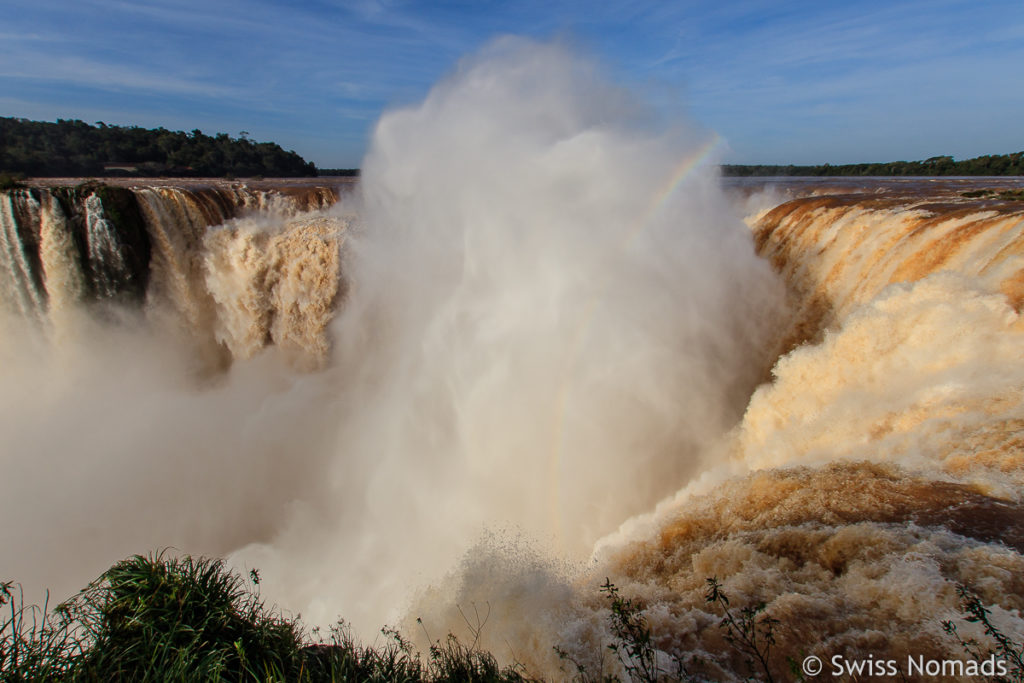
[(546, 312), (536, 348)]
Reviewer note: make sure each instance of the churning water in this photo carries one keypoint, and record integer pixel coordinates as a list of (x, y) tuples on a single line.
[(535, 347)]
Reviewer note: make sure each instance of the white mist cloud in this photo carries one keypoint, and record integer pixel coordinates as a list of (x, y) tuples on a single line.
[(538, 334), (551, 313)]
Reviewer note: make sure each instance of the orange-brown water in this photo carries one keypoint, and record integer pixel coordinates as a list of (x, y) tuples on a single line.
[(535, 348), (877, 468), (880, 468)]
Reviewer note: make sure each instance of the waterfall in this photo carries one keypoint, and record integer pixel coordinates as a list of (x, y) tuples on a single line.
[(19, 282), (105, 251), (81, 243)]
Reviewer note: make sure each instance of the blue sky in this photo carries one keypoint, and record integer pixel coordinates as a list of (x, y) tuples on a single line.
[(782, 82)]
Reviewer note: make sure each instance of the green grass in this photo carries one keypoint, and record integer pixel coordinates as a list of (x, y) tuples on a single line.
[(149, 619), (187, 619), (192, 619)]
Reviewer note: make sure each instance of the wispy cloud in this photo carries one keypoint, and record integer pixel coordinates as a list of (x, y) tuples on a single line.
[(84, 73), (766, 74)]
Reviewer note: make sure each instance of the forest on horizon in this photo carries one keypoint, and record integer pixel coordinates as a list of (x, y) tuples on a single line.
[(989, 165), (74, 148)]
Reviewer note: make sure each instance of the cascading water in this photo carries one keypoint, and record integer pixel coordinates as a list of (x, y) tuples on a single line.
[(105, 252), (63, 275), (177, 291), (18, 278), (53, 260), (274, 286), (879, 470), (522, 358)]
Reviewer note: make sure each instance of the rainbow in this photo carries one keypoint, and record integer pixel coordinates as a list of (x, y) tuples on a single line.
[(659, 199)]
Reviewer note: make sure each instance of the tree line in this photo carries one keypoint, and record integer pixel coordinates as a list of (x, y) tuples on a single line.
[(988, 165), (75, 148)]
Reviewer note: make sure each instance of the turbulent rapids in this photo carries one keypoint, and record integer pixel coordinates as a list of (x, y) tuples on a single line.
[(537, 346), (65, 247)]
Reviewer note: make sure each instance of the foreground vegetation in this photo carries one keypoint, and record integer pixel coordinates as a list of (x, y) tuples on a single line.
[(188, 619), (75, 148), (989, 165), (159, 619)]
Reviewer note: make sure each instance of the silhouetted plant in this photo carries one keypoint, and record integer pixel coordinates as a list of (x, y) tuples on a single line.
[(35, 643), (633, 645), (750, 632), (975, 612), (451, 660)]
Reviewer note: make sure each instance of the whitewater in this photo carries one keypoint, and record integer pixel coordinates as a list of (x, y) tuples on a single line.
[(539, 345)]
